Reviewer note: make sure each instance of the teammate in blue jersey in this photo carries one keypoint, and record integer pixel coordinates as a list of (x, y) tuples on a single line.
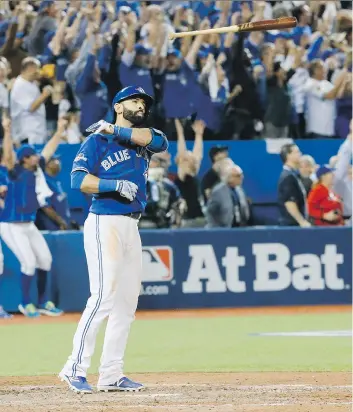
[(25, 189), (112, 165), (4, 181)]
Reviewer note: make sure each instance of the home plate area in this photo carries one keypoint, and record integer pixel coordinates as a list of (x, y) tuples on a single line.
[(196, 392)]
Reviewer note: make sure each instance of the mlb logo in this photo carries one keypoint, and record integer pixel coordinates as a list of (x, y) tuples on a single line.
[(157, 264)]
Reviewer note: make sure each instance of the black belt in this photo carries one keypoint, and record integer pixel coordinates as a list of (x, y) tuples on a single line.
[(134, 215)]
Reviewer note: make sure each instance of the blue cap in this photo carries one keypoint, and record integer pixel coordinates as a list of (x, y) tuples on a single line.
[(45, 4), (322, 170), (142, 50), (25, 151), (129, 93), (175, 52)]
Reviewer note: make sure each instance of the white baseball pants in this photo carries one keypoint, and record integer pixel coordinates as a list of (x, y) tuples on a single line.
[(28, 245), (114, 258)]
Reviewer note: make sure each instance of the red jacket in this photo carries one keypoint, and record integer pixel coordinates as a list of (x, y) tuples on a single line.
[(322, 200)]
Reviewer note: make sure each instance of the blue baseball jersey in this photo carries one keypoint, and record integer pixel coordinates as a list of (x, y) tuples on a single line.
[(4, 176), (58, 201), (179, 88), (136, 75), (21, 203), (106, 158), (4, 181)]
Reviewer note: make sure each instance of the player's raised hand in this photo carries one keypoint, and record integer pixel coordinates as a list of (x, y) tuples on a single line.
[(101, 127), (127, 189)]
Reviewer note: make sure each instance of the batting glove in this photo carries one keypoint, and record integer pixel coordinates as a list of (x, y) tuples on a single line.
[(127, 189), (98, 126)]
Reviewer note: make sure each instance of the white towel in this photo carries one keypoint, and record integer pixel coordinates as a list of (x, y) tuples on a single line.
[(42, 188)]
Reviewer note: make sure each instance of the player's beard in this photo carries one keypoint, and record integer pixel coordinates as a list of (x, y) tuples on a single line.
[(136, 118)]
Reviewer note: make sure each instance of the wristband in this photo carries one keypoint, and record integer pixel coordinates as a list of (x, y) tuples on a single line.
[(106, 185), (123, 133)]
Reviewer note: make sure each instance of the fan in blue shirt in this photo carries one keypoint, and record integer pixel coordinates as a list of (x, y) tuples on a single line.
[(136, 60), (303, 14), (180, 87), (92, 92)]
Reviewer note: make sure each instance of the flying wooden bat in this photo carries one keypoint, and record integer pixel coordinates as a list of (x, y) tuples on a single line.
[(262, 25)]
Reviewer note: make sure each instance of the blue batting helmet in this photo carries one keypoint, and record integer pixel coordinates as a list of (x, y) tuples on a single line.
[(131, 92)]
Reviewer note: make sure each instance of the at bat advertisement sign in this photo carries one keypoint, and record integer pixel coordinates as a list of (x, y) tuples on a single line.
[(243, 267), (246, 267)]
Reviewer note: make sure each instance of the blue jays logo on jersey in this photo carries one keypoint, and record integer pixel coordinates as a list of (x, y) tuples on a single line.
[(157, 262), (80, 156)]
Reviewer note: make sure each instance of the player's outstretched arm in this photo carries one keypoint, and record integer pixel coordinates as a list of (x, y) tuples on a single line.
[(8, 156), (50, 148), (153, 139)]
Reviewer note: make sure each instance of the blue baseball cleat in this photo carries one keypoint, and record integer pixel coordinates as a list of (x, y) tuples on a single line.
[(124, 384), (4, 314), (49, 309), (29, 310), (77, 384)]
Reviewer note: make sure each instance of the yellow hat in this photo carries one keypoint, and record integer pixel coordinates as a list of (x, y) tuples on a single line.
[(48, 71)]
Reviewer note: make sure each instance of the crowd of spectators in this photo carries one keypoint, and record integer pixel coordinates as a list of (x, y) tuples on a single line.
[(67, 59)]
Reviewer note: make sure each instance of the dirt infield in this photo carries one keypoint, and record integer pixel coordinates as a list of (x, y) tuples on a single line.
[(194, 392), (195, 313)]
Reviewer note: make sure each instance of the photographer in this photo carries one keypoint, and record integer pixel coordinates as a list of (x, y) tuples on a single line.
[(164, 204)]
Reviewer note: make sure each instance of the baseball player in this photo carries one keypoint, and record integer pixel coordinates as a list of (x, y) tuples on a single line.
[(3, 192), (26, 184), (112, 165)]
